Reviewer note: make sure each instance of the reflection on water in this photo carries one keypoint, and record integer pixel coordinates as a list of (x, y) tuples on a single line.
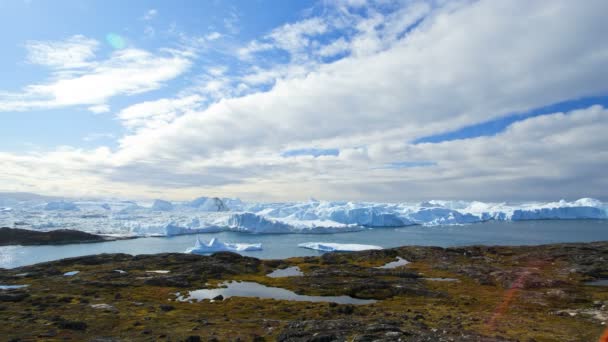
[(601, 282), (12, 287), (394, 264), (293, 271), (251, 289), (442, 279)]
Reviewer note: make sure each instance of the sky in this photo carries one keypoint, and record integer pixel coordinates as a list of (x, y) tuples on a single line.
[(379, 100)]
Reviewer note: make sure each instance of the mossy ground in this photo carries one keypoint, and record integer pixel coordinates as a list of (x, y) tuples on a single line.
[(514, 293)]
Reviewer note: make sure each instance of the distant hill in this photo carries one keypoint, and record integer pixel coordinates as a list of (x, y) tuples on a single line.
[(27, 196), (15, 236)]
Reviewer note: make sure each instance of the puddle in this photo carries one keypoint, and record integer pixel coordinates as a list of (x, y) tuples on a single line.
[(600, 282), (251, 289), (159, 271), (442, 279), (394, 264), (71, 273), (12, 287), (293, 271)]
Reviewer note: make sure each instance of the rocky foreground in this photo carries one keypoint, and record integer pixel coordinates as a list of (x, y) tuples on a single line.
[(501, 294)]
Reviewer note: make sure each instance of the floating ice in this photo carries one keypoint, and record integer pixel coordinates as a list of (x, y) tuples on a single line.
[(216, 245), (211, 214), (335, 247), (61, 205)]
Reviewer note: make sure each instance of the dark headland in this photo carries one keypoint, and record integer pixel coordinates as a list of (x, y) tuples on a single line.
[(17, 236), (531, 293)]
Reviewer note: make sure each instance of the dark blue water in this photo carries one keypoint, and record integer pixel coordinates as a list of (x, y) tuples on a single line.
[(285, 245)]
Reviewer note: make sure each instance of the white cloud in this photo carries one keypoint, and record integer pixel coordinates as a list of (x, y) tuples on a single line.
[(126, 72), (338, 46), (98, 109), (150, 14), (74, 52), (213, 36), (156, 113)]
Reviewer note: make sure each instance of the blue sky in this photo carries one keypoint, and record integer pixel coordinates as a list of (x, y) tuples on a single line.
[(274, 100), (142, 24)]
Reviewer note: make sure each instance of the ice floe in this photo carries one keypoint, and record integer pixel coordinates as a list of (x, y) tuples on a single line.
[(216, 245), (337, 247)]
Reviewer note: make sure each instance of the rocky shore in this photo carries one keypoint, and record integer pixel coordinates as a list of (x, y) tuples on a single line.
[(477, 293)]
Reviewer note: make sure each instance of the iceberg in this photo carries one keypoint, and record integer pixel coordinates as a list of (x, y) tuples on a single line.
[(61, 205), (160, 205), (337, 247), (216, 245), (209, 204), (210, 214)]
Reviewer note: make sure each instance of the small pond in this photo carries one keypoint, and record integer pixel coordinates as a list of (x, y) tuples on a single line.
[(293, 271), (442, 279), (600, 282), (12, 287), (394, 264), (251, 289)]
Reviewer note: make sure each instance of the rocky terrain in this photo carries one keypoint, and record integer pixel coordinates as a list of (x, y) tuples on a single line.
[(16, 236), (534, 293)]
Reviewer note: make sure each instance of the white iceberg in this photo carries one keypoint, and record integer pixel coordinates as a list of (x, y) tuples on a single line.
[(160, 205), (337, 247), (61, 205), (212, 204), (216, 245), (210, 215)]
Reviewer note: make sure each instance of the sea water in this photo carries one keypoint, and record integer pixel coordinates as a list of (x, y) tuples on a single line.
[(278, 246)]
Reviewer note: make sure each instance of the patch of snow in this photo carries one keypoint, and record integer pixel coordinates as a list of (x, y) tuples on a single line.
[(337, 247), (159, 271), (71, 273)]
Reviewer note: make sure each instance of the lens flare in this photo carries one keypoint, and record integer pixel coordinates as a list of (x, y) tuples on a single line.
[(116, 41), (604, 337)]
